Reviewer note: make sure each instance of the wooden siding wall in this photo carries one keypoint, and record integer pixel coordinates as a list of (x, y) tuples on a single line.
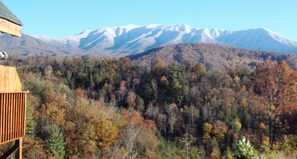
[(9, 79), (10, 27), (12, 116)]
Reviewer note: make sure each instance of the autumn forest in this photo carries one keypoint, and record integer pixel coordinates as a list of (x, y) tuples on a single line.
[(80, 107)]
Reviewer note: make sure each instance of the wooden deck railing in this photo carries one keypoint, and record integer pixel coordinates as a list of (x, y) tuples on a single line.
[(12, 115)]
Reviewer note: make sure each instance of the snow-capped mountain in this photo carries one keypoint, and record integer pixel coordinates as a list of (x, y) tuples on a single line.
[(132, 39)]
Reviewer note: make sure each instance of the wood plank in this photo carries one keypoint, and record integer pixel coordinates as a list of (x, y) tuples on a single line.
[(10, 27), (24, 99), (10, 81), (1, 117)]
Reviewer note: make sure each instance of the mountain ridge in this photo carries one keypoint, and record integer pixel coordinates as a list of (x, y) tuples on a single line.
[(213, 56), (132, 39)]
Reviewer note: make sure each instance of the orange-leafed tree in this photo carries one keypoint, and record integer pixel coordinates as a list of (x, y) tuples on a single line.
[(138, 134), (275, 88)]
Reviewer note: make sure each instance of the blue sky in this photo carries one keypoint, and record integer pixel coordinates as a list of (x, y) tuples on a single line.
[(58, 18)]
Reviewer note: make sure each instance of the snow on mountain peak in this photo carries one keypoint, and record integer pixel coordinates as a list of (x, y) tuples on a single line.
[(44, 38), (280, 38), (149, 26), (125, 27), (84, 33), (132, 39), (130, 26), (184, 28)]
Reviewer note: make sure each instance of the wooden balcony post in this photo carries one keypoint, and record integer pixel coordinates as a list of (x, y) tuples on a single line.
[(19, 151), (16, 149)]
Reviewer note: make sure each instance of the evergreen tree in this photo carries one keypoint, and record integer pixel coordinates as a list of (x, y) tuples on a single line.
[(30, 121), (55, 143)]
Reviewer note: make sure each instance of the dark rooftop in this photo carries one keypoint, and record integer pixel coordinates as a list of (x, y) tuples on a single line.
[(5, 13)]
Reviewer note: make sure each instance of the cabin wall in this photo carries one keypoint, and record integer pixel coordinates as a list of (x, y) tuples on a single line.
[(12, 105), (9, 79), (9, 27)]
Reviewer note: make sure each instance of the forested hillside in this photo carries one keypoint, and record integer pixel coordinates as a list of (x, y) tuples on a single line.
[(213, 56), (115, 108)]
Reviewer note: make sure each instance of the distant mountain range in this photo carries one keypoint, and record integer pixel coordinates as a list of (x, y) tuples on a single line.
[(132, 39)]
